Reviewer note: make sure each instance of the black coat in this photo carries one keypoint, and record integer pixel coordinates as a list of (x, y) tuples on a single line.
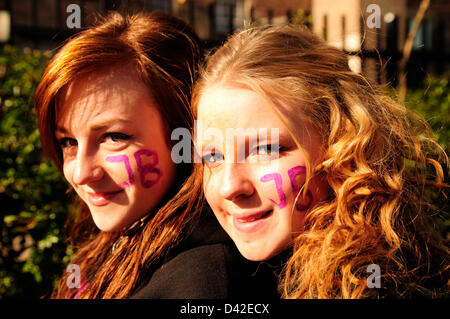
[(207, 265)]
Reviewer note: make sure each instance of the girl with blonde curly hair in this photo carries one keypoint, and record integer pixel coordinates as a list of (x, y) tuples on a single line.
[(342, 184)]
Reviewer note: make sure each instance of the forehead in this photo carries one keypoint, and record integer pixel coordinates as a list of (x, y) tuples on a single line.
[(105, 93), (223, 107), (234, 107)]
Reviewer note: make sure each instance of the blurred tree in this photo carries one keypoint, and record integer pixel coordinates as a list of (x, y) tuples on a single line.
[(433, 103), (33, 200), (301, 17)]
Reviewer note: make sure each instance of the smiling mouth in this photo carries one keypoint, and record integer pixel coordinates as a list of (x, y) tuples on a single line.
[(252, 218), (101, 199), (251, 222)]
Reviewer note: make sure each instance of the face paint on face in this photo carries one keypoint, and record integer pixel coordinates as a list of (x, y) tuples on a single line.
[(123, 158), (253, 200), (112, 133), (149, 168), (279, 185), (293, 173)]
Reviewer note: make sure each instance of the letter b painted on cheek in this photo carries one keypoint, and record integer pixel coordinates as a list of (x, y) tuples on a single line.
[(148, 168)]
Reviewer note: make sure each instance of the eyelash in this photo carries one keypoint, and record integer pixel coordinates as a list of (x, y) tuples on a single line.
[(114, 136), (271, 150), (63, 142), (205, 158)]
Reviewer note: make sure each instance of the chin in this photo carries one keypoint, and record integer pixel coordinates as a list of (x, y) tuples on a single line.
[(260, 253), (107, 225), (107, 228), (253, 254)]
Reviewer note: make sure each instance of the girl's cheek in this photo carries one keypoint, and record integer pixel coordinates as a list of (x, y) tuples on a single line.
[(282, 187), (275, 192), (210, 188), (122, 160), (274, 184), (68, 171), (140, 168)]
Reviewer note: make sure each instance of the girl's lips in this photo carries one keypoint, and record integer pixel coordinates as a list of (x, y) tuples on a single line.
[(251, 222), (101, 199)]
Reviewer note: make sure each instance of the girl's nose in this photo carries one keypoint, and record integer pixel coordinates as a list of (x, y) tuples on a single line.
[(88, 169), (236, 182)]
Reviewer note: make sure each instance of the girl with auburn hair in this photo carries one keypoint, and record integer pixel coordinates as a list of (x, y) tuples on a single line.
[(106, 105), (343, 183)]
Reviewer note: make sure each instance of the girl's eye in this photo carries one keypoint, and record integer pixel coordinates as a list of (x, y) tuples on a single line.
[(212, 158), (269, 151), (266, 149), (116, 137), (68, 146), (67, 142)]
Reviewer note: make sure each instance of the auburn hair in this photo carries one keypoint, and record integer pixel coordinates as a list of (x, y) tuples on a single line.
[(380, 161), (164, 52)]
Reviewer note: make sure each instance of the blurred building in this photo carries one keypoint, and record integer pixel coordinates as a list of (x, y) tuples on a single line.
[(346, 24)]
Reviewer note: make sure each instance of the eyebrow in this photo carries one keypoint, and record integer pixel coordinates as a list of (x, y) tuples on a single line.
[(98, 126), (283, 138)]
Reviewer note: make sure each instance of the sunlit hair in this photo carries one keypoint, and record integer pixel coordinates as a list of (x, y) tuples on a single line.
[(164, 52), (379, 160)]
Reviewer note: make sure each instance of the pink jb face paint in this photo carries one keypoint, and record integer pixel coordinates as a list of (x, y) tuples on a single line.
[(126, 161), (279, 186), (148, 168), (144, 169)]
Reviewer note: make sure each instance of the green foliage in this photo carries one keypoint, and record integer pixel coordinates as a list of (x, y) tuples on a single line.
[(302, 18), (433, 103), (33, 203)]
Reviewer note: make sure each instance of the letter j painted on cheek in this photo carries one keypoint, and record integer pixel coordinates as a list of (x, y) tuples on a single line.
[(279, 186), (126, 161)]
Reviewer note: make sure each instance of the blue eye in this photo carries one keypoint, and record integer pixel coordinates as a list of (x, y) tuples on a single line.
[(266, 149), (212, 158), (269, 149)]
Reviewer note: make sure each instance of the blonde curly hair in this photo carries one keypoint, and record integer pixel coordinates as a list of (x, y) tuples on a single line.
[(380, 161)]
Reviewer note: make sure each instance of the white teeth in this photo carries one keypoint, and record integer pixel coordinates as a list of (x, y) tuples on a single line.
[(252, 219)]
